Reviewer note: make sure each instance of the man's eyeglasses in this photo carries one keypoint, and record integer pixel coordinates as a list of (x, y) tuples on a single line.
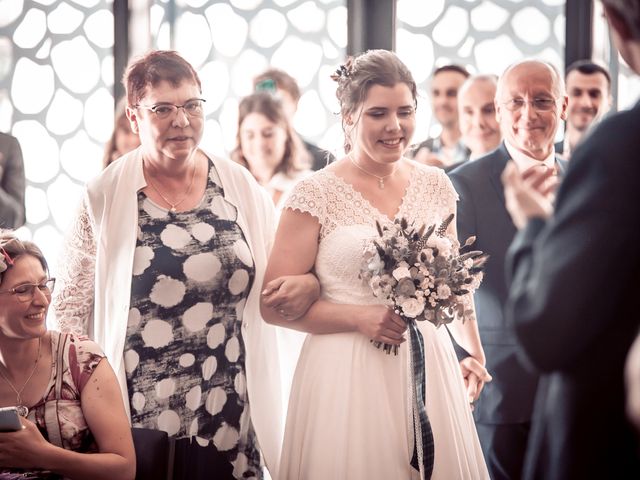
[(193, 108), (26, 291), (539, 104)]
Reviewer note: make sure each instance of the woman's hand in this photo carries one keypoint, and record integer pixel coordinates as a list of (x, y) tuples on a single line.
[(24, 448), (291, 295), (475, 375), (380, 323)]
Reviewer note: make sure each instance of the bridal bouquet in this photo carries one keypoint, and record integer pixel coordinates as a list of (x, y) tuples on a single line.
[(421, 273)]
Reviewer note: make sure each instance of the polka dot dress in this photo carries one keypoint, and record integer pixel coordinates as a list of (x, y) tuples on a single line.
[(184, 353)]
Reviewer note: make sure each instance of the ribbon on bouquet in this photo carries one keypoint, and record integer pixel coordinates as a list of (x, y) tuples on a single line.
[(423, 450)]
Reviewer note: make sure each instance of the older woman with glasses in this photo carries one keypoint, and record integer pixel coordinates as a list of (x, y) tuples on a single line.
[(164, 268), (74, 423)]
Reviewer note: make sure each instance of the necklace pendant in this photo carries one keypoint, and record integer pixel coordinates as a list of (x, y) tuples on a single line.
[(172, 209), (381, 184), (22, 411)]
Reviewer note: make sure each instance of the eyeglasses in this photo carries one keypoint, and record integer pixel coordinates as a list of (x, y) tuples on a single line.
[(26, 291), (539, 104), (193, 108)]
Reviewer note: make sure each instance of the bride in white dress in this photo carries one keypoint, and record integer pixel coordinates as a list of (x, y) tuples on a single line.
[(350, 414)]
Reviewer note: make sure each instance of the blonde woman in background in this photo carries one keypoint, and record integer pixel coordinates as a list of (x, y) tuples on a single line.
[(122, 140), (268, 147)]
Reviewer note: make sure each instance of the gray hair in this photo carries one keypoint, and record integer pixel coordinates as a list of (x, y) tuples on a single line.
[(480, 78), (558, 81)]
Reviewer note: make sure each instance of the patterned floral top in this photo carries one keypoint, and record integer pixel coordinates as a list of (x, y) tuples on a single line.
[(74, 361), (184, 353)]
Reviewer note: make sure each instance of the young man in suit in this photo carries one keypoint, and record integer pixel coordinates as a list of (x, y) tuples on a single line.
[(589, 89), (12, 183), (573, 298), (530, 103), (446, 149)]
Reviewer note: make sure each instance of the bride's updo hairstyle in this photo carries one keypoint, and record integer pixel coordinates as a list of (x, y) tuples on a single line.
[(358, 74)]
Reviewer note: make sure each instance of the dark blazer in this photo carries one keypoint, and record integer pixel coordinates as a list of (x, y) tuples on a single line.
[(12, 183), (481, 212), (319, 158), (559, 147), (573, 303)]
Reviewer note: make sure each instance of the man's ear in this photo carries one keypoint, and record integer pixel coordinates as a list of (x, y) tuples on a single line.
[(565, 106), (132, 115), (498, 109), (617, 22)]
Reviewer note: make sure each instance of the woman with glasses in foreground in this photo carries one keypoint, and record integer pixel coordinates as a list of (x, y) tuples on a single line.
[(164, 268), (74, 423)]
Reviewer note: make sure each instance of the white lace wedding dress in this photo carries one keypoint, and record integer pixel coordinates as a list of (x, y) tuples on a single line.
[(349, 411)]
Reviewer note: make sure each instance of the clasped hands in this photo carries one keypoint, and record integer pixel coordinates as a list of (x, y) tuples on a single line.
[(529, 194), (291, 295), (475, 375)]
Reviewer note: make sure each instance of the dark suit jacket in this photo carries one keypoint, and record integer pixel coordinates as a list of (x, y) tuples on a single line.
[(559, 147), (481, 212), (12, 183), (574, 305), (319, 158)]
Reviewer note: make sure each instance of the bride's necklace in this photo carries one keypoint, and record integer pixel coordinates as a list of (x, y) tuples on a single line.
[(380, 179), (174, 205), (20, 407)]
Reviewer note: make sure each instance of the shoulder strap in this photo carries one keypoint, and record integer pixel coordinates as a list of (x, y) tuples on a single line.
[(51, 419)]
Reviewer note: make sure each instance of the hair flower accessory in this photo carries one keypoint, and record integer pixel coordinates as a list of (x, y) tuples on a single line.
[(5, 260), (344, 71)]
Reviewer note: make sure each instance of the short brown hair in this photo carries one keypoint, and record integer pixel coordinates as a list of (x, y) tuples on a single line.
[(452, 68), (359, 74), (14, 248), (282, 80), (154, 67), (587, 67), (629, 12), (267, 104)]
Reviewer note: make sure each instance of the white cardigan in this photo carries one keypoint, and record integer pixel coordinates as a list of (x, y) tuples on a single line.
[(97, 267)]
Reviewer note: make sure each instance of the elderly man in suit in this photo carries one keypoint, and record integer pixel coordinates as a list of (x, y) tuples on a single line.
[(477, 115), (530, 102), (12, 183), (573, 298)]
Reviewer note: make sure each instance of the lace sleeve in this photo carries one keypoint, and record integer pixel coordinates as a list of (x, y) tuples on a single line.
[(308, 197), (451, 197), (73, 302)]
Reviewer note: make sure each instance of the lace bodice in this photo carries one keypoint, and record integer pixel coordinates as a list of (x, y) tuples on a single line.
[(347, 224)]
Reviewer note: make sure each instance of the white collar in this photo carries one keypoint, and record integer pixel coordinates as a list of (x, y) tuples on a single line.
[(525, 162)]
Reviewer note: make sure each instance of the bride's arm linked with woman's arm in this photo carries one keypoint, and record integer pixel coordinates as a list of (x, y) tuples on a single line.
[(294, 253)]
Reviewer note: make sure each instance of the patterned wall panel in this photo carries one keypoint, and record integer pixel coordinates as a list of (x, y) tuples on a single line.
[(230, 41), (485, 36), (56, 78)]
